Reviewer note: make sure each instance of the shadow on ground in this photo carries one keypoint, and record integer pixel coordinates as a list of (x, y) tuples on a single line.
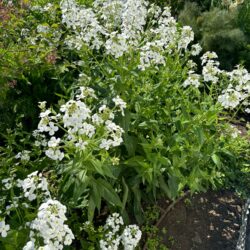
[(209, 221)]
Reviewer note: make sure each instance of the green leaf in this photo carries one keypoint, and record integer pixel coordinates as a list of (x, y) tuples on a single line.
[(96, 196), (164, 186), (125, 194), (200, 135), (216, 160), (91, 208), (108, 193), (173, 184), (130, 143), (137, 204), (136, 161)]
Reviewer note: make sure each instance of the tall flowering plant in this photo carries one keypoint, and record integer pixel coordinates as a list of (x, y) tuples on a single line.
[(138, 54), (143, 121), (83, 132)]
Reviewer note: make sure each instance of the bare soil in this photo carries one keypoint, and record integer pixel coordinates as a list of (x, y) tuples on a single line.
[(209, 221)]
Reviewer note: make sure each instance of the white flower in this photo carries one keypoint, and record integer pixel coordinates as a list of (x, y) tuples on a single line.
[(53, 142), (32, 184), (235, 131), (52, 128), (54, 154), (87, 129), (116, 45), (7, 183), (4, 228), (49, 225), (230, 99), (42, 29), (103, 108), (46, 112), (85, 92), (149, 58), (83, 23), (208, 56), (81, 144), (96, 119), (120, 104), (187, 36), (29, 246), (75, 113), (106, 144), (193, 79), (131, 237), (196, 49), (134, 16), (47, 7), (210, 72), (24, 155)]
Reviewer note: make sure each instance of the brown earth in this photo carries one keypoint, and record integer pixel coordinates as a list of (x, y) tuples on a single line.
[(209, 221)]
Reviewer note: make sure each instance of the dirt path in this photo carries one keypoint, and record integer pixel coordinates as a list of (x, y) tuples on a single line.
[(209, 221)]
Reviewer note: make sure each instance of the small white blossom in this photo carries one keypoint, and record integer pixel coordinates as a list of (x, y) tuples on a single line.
[(120, 104), (53, 142), (196, 49), (96, 119), (7, 183), (54, 154), (42, 29), (30, 245), (24, 155), (116, 45), (193, 80), (4, 228), (230, 99), (187, 36), (115, 235), (208, 56), (131, 237), (49, 226), (33, 185)]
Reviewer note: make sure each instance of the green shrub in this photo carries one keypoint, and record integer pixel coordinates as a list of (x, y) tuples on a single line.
[(131, 120)]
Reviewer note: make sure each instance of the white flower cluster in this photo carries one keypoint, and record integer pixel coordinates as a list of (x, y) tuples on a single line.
[(81, 125), (193, 79), (49, 225), (45, 8), (120, 104), (84, 23), (24, 155), (196, 49), (134, 18), (4, 228), (235, 132), (167, 39), (119, 27), (110, 12), (238, 91), (114, 235), (7, 183), (131, 237), (35, 184), (210, 70)]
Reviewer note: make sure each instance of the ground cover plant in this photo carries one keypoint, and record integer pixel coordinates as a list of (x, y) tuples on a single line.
[(123, 117)]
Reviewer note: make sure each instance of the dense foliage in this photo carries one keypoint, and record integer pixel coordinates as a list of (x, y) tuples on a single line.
[(221, 26), (107, 105)]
